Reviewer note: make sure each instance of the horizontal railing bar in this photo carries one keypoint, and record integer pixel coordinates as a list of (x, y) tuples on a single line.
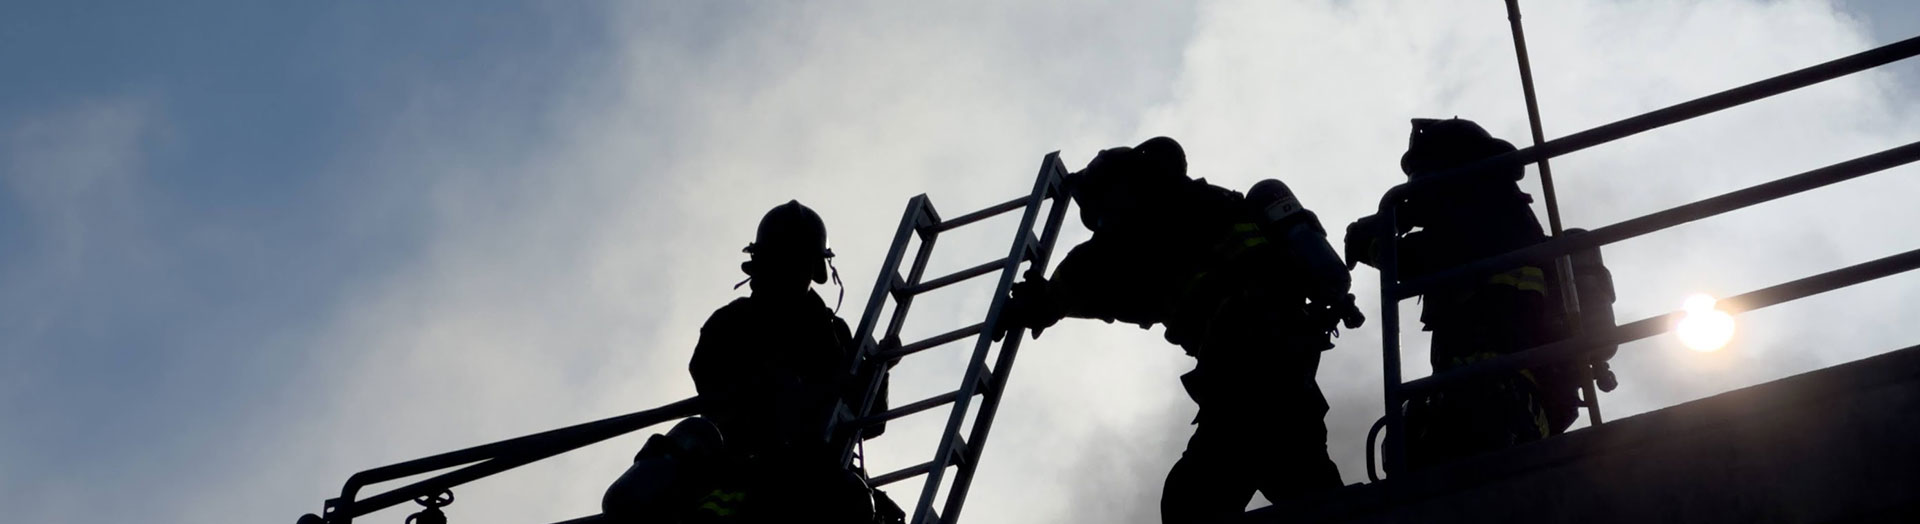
[(936, 341), (1659, 220), (499, 456), (1804, 77), (1866, 271), (909, 409), (976, 216), (962, 275), (909, 472), (1553, 353)]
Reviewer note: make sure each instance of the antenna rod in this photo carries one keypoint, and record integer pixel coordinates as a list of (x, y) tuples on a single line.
[(1569, 301), (1533, 113)]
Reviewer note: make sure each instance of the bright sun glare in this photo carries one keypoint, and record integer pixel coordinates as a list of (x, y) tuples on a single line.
[(1703, 328)]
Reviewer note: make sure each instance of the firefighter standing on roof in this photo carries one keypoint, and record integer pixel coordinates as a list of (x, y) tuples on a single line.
[(1463, 220), (1246, 285), (770, 369)]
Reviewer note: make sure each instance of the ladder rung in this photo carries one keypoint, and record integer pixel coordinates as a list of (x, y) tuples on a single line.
[(909, 472), (931, 343), (909, 409), (983, 214), (948, 280)]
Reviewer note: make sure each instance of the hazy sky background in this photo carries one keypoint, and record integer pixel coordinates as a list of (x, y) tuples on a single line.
[(248, 251)]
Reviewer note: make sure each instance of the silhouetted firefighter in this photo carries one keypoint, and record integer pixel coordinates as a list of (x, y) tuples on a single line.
[(770, 369), (1247, 285), (1463, 220)]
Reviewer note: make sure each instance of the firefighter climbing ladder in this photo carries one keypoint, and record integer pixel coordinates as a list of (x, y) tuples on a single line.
[(955, 451), (962, 453)]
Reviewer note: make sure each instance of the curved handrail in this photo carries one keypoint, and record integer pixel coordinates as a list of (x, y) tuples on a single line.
[(489, 459)]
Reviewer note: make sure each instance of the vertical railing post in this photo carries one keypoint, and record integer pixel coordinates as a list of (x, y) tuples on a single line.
[(1395, 456), (1563, 266)]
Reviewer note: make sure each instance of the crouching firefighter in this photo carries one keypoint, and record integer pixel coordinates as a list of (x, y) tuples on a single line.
[(1246, 285), (771, 370), (1463, 220)]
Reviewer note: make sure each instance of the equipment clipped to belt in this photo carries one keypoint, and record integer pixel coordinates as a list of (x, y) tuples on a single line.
[(1335, 315), (431, 515), (1593, 284), (671, 474)]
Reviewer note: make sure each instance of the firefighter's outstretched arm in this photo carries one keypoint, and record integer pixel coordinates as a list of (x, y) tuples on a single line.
[(1082, 287)]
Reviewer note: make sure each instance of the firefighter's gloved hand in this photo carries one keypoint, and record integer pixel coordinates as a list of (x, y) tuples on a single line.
[(1026, 307), (1016, 314), (1361, 235)]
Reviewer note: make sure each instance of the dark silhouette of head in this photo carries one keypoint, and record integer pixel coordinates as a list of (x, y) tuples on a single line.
[(788, 250), (1274, 199), (1119, 184), (1163, 156), (1437, 145)]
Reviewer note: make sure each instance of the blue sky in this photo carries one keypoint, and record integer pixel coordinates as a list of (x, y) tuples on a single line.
[(246, 250)]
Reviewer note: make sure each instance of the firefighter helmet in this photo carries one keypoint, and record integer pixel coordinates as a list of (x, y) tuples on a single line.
[(792, 232), (1274, 200), (1437, 144)]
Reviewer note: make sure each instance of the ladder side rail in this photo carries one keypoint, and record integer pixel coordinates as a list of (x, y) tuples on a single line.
[(1052, 172), (882, 286), (976, 364), (919, 212), (493, 458)]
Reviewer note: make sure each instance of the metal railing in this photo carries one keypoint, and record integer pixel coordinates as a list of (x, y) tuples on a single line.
[(1393, 290), (1044, 206), (483, 461)]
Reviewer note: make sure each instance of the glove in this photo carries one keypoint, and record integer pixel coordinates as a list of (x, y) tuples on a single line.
[(1361, 235), (1026, 307)]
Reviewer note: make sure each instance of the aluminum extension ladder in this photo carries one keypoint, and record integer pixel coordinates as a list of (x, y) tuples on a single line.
[(956, 451)]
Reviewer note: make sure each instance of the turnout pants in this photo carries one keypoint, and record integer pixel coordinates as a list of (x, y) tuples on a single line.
[(1477, 417), (1261, 428)]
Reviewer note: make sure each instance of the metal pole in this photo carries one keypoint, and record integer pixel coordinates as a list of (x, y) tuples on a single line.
[(1569, 296), (1533, 113), (1395, 453)]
